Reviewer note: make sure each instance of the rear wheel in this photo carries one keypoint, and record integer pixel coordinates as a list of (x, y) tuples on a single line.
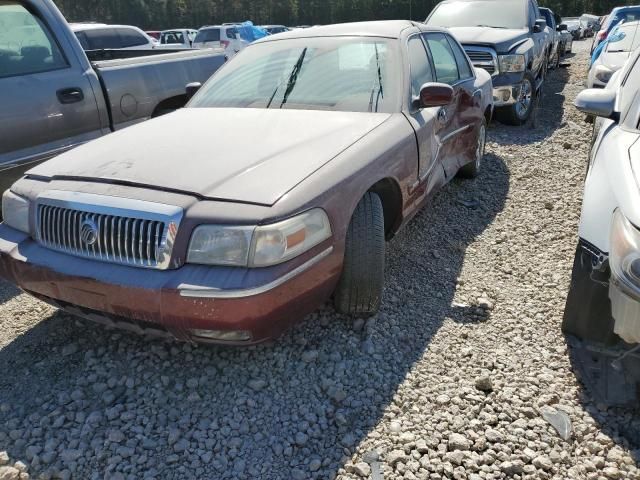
[(359, 291), (472, 169), (519, 112)]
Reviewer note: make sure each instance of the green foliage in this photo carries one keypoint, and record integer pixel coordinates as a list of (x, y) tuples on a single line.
[(161, 14)]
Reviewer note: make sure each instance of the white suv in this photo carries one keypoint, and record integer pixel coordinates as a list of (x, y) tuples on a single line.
[(220, 36), (603, 304)]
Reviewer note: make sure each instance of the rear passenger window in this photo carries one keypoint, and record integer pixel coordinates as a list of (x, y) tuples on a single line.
[(100, 39), (443, 58), (461, 59), (208, 35), (132, 38), (26, 44), (419, 63)]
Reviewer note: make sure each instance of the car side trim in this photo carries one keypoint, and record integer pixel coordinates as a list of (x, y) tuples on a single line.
[(251, 292)]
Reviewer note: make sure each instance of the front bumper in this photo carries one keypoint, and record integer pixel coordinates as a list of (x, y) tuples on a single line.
[(506, 95), (625, 309), (261, 302)]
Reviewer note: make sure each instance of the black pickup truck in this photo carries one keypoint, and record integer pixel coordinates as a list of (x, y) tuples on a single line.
[(507, 38)]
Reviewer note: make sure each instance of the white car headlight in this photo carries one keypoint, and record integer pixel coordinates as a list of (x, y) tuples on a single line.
[(624, 255), (603, 73), (511, 63), (251, 246), (15, 211)]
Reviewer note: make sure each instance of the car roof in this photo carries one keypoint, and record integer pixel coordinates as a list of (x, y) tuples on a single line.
[(210, 27), (77, 27), (381, 28)]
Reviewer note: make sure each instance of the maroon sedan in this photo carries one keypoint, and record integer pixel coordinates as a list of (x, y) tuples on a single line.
[(274, 190)]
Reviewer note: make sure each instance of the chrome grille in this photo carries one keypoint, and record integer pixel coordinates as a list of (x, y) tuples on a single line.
[(482, 58), (108, 233)]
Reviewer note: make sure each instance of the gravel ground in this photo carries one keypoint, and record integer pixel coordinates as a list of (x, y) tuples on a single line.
[(450, 380)]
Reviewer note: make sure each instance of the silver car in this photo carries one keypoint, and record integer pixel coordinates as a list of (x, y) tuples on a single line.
[(622, 41)]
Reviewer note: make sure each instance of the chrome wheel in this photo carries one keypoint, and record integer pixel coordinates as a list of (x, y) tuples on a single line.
[(524, 99)]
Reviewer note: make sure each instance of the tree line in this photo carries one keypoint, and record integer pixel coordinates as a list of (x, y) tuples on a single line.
[(162, 14)]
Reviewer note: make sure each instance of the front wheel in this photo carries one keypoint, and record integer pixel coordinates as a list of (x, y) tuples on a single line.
[(472, 169), (359, 290), (519, 112)]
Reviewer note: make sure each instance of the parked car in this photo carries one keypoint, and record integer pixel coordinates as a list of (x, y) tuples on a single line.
[(351, 130), (587, 22), (553, 59), (574, 27), (506, 38), (178, 38), (603, 304), (96, 36), (220, 36), (617, 15), (54, 98), (273, 29), (616, 49)]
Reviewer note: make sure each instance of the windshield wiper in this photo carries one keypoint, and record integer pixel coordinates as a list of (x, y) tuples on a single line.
[(380, 90), (293, 78)]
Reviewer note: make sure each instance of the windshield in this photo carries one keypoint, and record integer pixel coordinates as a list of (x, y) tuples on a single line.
[(626, 16), (171, 37), (480, 13), (208, 35), (340, 74), (624, 38)]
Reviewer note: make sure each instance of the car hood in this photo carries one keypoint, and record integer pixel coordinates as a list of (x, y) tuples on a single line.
[(502, 39), (614, 60), (245, 155)]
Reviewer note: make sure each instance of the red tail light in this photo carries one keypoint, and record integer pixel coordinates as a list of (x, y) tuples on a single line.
[(224, 43)]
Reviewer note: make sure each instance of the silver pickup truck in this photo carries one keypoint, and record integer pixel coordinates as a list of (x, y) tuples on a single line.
[(54, 96)]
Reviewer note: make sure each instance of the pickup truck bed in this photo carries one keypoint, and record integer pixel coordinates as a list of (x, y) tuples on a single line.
[(54, 96)]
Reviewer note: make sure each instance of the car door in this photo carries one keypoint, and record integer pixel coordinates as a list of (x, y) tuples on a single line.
[(539, 38), (424, 120), (47, 103), (455, 118)]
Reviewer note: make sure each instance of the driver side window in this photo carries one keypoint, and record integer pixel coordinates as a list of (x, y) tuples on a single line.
[(419, 63)]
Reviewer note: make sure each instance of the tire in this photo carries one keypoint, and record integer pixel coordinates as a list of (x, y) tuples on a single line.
[(472, 169), (359, 290), (587, 314), (515, 114)]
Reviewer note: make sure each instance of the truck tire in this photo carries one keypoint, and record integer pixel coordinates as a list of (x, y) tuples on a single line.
[(587, 314), (519, 112), (359, 290), (472, 169)]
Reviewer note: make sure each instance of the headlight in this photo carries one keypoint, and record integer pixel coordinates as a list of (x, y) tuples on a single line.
[(15, 211), (603, 74), (511, 63), (624, 255), (258, 246)]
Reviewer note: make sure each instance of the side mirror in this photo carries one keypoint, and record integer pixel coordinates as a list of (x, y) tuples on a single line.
[(434, 94), (598, 102), (192, 88), (540, 25), (562, 27)]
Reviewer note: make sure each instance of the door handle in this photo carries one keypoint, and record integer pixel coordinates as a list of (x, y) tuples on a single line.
[(442, 115), (70, 95)]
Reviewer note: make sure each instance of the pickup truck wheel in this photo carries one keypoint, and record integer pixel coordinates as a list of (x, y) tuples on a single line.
[(472, 169), (359, 290), (519, 112), (587, 314)]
